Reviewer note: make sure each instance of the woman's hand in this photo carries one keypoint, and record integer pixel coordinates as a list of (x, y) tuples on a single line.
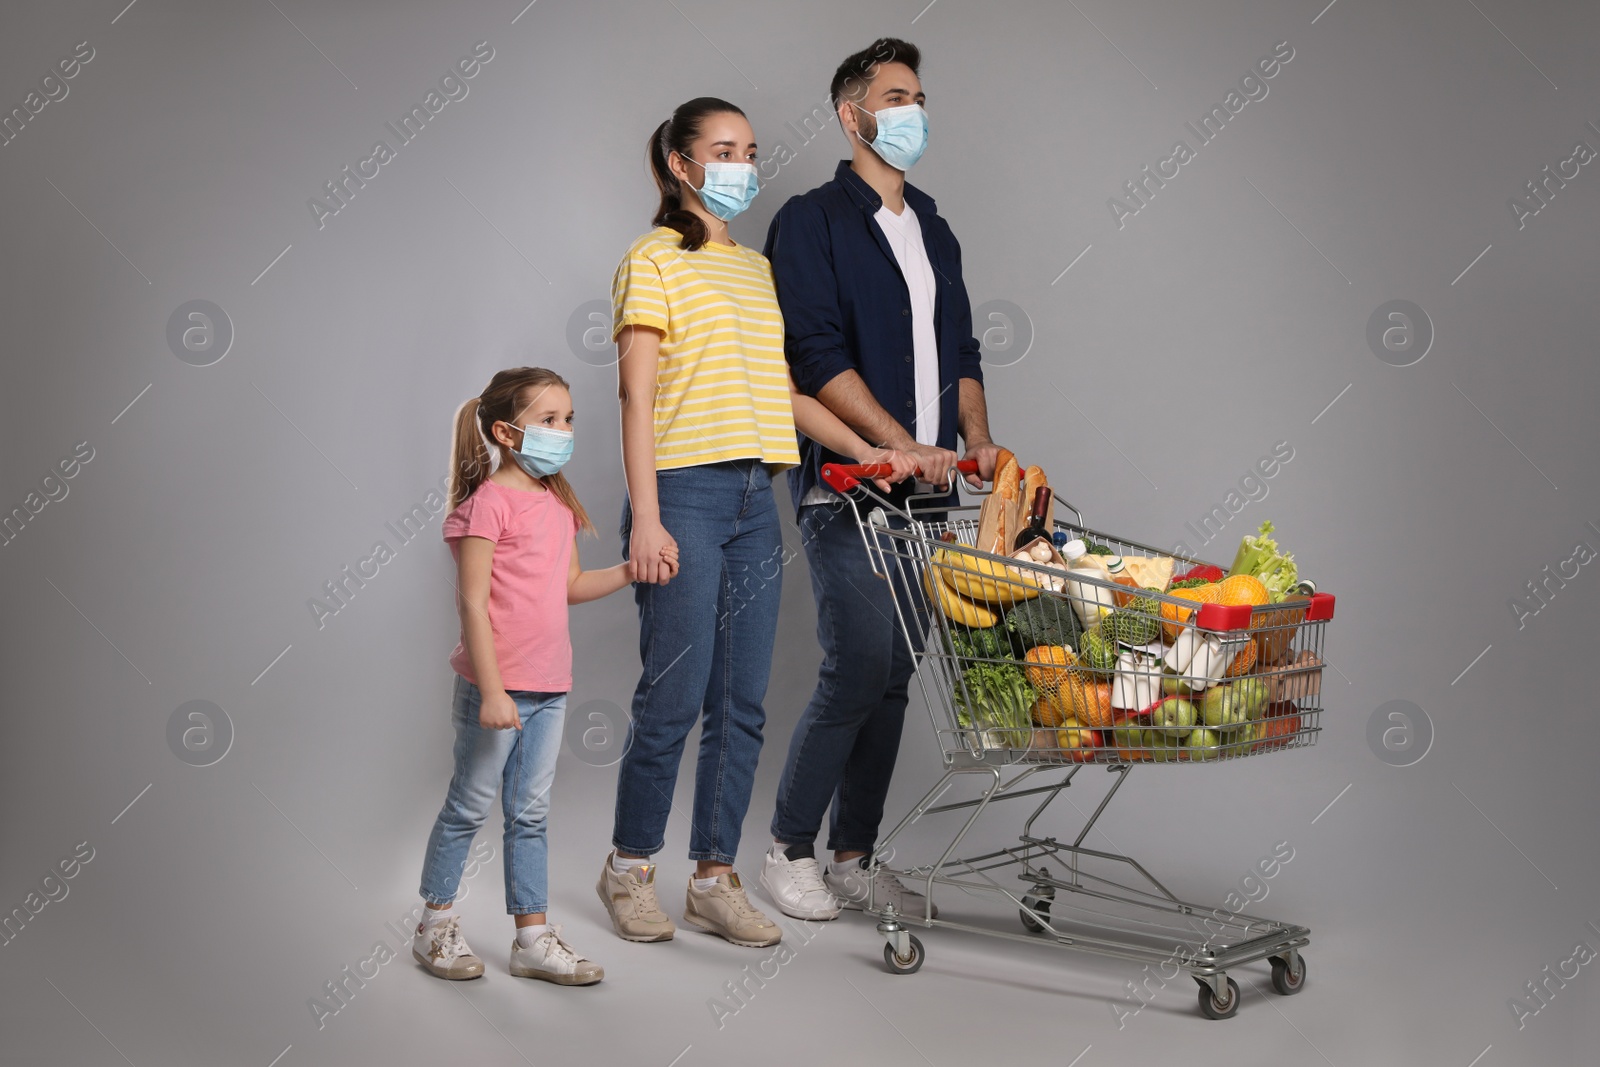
[(652, 553), (497, 711), (902, 465)]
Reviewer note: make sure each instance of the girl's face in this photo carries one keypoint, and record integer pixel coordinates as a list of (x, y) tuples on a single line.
[(725, 137), (549, 406)]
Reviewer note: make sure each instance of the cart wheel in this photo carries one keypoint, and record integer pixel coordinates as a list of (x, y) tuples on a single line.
[(1212, 1008), (1037, 909), (908, 964), (1285, 981)]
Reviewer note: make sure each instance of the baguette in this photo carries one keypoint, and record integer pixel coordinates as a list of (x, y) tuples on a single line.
[(997, 518)]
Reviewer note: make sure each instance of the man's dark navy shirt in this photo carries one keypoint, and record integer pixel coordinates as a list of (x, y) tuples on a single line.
[(846, 306)]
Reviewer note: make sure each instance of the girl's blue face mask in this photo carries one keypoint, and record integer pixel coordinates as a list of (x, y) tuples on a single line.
[(545, 450), (902, 135), (728, 188)]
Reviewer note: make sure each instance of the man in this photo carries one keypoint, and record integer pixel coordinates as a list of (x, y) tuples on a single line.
[(878, 328)]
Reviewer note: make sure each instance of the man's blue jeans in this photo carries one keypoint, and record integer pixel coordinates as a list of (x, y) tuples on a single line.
[(705, 642), (845, 744), (521, 764)]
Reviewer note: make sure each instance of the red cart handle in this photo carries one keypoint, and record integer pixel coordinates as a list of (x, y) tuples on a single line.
[(843, 477)]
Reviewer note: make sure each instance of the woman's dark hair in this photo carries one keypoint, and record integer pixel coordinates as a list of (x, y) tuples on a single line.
[(857, 71), (676, 135)]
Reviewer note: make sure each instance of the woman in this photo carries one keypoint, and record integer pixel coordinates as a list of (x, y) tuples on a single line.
[(708, 417)]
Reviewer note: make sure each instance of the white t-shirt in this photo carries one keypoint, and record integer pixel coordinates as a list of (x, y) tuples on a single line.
[(904, 233)]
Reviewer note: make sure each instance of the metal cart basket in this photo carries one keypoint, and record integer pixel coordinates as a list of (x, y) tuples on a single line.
[(1032, 672)]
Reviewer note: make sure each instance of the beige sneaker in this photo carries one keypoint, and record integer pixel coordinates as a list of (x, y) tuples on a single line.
[(630, 900), (726, 911), (553, 960), (444, 952)]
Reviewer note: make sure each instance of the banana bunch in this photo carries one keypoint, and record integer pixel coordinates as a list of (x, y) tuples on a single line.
[(983, 580), (956, 608)]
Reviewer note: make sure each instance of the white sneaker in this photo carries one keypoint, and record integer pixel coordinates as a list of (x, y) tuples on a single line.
[(553, 960), (796, 887), (851, 889), (444, 952)]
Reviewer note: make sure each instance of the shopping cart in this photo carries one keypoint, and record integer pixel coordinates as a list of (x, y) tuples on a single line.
[(1019, 694)]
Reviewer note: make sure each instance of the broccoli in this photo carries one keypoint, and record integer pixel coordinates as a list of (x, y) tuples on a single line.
[(1044, 620), (983, 643)]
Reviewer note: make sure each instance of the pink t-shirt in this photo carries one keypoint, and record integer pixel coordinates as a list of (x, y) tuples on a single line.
[(532, 534)]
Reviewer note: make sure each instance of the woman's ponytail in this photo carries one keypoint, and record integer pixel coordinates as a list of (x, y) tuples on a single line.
[(676, 135)]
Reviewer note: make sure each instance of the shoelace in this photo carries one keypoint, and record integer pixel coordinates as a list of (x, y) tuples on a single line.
[(643, 894), (891, 883), (451, 943), (559, 949), (807, 877), (740, 903)]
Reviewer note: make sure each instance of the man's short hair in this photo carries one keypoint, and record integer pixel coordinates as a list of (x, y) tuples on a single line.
[(857, 72)]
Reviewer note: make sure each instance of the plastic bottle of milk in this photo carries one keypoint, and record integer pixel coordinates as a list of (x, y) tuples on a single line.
[(1091, 602)]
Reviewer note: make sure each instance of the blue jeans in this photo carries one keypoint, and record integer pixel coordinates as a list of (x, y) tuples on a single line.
[(522, 763), (705, 642), (844, 747)]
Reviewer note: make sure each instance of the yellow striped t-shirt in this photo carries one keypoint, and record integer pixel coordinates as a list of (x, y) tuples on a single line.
[(722, 385)]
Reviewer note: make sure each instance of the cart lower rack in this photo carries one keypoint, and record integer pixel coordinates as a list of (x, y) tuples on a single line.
[(1033, 672)]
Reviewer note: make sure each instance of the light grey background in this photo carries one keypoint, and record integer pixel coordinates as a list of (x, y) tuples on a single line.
[(1225, 317)]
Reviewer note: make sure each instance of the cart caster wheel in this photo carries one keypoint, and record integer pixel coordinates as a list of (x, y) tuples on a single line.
[(1212, 1008), (909, 964), (1037, 909), (1285, 981)]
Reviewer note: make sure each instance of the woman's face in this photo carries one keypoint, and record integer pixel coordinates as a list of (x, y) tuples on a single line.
[(725, 137)]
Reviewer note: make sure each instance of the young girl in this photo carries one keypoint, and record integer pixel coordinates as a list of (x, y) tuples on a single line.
[(511, 528)]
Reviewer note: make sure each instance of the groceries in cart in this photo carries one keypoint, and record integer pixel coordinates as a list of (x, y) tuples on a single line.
[(1073, 646)]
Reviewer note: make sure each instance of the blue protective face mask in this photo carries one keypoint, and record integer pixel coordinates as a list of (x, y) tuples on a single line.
[(728, 188), (544, 450), (902, 135)]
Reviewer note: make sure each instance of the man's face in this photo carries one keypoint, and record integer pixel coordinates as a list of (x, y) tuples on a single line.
[(894, 85)]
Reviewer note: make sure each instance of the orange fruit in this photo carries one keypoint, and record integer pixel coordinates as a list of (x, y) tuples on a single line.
[(1174, 617), (1242, 589), (1087, 701), (1047, 711), (1055, 659)]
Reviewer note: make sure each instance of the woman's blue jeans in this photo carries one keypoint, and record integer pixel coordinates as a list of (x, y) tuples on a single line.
[(705, 643), (522, 765)]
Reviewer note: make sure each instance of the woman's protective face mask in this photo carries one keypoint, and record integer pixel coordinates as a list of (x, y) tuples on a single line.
[(902, 134), (728, 188), (544, 451)]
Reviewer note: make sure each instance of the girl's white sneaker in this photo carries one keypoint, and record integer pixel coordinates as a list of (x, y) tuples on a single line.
[(553, 960), (443, 951)]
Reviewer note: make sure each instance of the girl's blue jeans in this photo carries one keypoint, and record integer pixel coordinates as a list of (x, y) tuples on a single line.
[(522, 765)]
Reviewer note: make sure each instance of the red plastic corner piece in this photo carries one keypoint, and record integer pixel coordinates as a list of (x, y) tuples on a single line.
[(1223, 617), (839, 481), (1321, 607)]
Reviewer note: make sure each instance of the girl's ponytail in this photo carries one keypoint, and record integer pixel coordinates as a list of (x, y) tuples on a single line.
[(470, 462), (470, 458), (676, 135)]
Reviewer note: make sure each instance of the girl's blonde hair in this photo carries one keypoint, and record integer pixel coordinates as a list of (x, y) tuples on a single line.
[(470, 462)]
